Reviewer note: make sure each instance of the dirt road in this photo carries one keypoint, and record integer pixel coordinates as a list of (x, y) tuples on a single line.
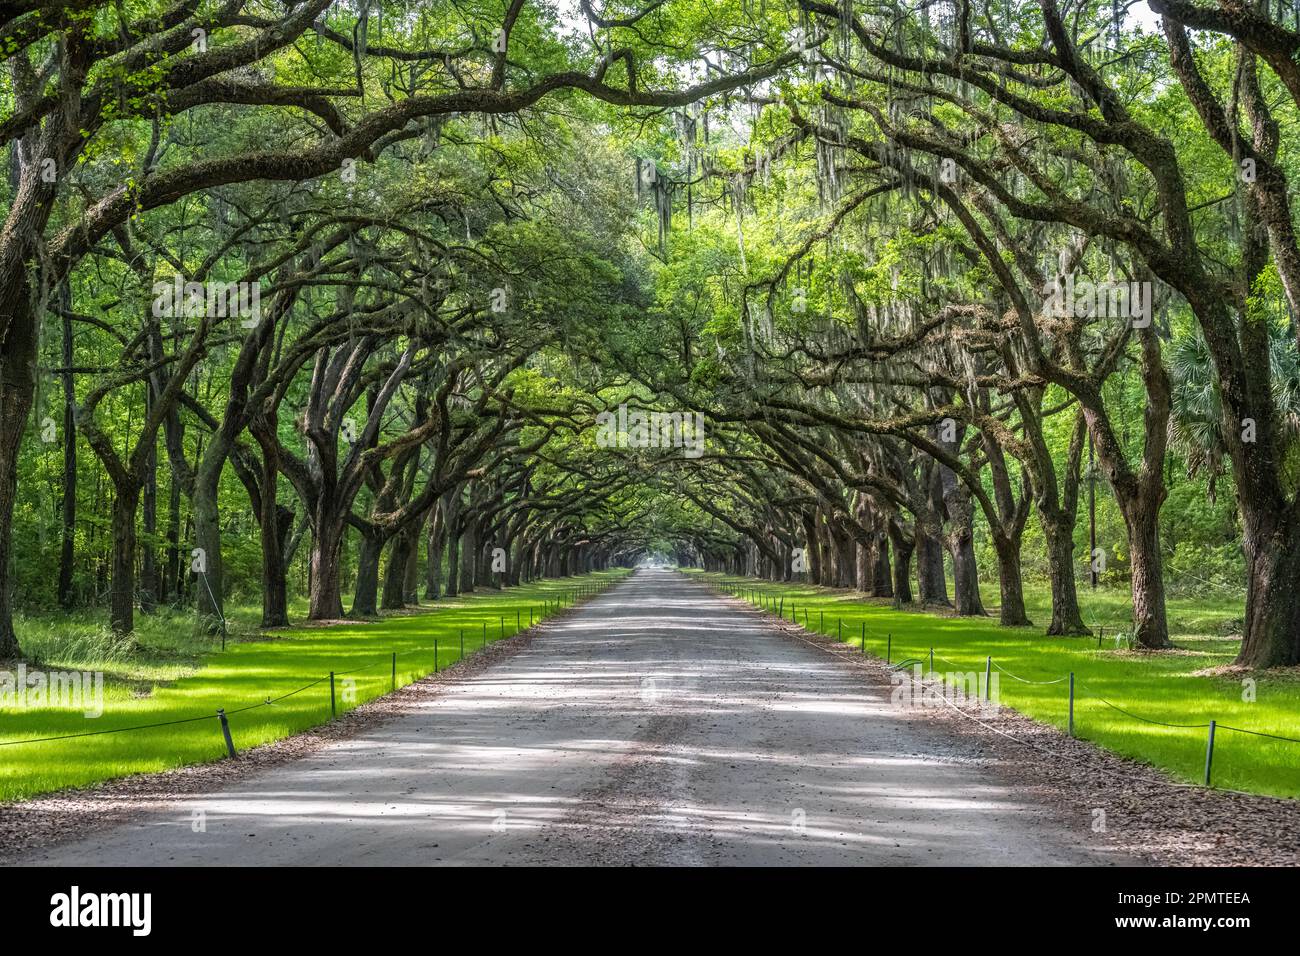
[(657, 724)]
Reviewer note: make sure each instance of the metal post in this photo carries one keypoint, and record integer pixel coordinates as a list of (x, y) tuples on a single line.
[(822, 628), (889, 648), (839, 629), (1209, 753), (503, 625), (333, 710), (1071, 720), (225, 732), (988, 675), (484, 644), (781, 611), (394, 670), (435, 655), (932, 662), (864, 638)]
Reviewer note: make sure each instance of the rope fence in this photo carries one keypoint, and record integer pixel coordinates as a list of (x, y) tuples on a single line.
[(758, 597), (569, 597)]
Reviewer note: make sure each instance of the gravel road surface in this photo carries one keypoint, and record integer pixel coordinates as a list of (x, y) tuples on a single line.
[(656, 724)]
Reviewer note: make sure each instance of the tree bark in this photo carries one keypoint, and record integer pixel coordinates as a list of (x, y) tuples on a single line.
[(1273, 600), (453, 555), (903, 549), (1067, 619), (174, 590), (126, 500), (207, 539), (812, 553), (366, 594), (1150, 625), (437, 540), (846, 556), (411, 580), (399, 554), (469, 555), (275, 534), (865, 564), (16, 389), (1010, 585), (931, 578), (67, 549), (149, 516), (965, 576), (325, 599), (960, 539), (880, 571)]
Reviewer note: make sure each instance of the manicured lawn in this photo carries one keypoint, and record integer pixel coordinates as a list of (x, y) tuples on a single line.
[(1164, 687), (158, 684)]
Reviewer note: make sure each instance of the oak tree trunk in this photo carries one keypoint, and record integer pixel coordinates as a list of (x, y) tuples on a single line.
[(399, 554), (366, 595), (1272, 631), (16, 390), (436, 544), (1012, 612), (276, 521), (121, 615), (931, 578), (325, 599), (69, 504), (1150, 625), (1067, 619)]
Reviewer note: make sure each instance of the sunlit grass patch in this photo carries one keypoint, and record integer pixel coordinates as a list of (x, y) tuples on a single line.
[(1167, 687), (186, 678)]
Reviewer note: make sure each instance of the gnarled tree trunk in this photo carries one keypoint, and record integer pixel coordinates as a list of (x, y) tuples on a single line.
[(366, 595)]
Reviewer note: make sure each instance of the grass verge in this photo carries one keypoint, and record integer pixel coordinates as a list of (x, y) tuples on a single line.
[(289, 667), (1171, 687)]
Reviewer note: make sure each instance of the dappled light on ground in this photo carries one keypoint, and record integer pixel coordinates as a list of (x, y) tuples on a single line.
[(654, 725)]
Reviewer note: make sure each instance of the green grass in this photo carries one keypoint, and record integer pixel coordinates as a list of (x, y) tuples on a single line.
[(1164, 686), (168, 673)]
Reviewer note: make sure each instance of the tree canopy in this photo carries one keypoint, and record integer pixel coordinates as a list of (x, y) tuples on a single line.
[(378, 301)]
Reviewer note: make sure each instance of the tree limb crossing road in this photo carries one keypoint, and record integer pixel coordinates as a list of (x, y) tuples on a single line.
[(656, 724)]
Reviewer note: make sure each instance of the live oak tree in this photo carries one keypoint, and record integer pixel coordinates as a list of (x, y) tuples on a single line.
[(83, 81), (846, 236)]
